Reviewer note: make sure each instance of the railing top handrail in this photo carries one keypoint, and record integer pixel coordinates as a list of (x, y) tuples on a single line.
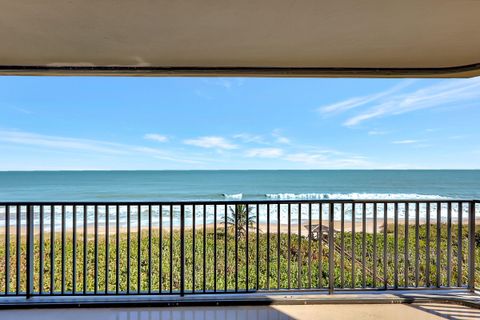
[(231, 202)]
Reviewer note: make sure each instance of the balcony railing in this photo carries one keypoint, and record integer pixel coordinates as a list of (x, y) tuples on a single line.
[(180, 248)]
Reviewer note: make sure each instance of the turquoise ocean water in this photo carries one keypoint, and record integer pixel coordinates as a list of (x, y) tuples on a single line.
[(218, 185)]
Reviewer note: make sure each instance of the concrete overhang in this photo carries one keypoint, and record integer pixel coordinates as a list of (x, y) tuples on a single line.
[(309, 38)]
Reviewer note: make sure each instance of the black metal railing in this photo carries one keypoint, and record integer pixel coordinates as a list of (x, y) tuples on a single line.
[(150, 248)]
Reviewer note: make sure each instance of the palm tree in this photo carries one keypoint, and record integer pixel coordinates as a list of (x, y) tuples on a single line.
[(242, 218)]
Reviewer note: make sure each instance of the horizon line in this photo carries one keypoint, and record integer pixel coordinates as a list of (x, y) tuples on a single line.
[(173, 170)]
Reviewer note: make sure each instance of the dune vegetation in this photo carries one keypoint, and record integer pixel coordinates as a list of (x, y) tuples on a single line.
[(282, 263)]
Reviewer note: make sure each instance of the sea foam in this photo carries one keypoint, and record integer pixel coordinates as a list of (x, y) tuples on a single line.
[(236, 196), (352, 196), (300, 212)]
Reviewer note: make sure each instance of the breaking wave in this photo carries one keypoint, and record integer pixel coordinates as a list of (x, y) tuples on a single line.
[(352, 196), (236, 196)]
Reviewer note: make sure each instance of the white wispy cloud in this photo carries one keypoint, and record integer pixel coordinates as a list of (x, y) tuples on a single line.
[(275, 137), (87, 146), (459, 136), (406, 141), (250, 138), (66, 143), (279, 138), (304, 157), (155, 137), (355, 102), (214, 142), (283, 140), (264, 153), (448, 93), (162, 155), (317, 157), (328, 161)]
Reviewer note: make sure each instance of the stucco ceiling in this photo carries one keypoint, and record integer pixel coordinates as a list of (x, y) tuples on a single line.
[(370, 38)]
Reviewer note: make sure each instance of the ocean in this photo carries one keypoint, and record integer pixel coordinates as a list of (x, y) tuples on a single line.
[(248, 184), (236, 185)]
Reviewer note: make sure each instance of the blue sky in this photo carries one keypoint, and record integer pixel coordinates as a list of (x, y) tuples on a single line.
[(83, 123)]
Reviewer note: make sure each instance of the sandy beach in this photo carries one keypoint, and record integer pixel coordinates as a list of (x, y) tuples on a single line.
[(274, 228)]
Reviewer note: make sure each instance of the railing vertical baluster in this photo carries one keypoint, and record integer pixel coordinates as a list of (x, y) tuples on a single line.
[(160, 248), (278, 246), (226, 252), (139, 249), (471, 247), (117, 249), (364, 245), (171, 249), (374, 280), (299, 227), (320, 246), (427, 248), (182, 250), (395, 247), (289, 243), (149, 249), (417, 243), (438, 257), (236, 247), (460, 246), (385, 257), (19, 248), (331, 278), (342, 244), (95, 249), (407, 265), (52, 250), (215, 248), (42, 251), (74, 249), (449, 244), (204, 249), (194, 231), (247, 226), (268, 247), (30, 247), (353, 244), (63, 249), (128, 248), (85, 249), (309, 247), (257, 249), (7, 249), (107, 246)]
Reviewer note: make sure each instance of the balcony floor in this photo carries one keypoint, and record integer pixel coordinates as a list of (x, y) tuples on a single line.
[(413, 304)]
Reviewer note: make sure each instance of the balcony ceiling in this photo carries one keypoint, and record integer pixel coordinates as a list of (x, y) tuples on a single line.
[(371, 38)]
